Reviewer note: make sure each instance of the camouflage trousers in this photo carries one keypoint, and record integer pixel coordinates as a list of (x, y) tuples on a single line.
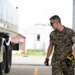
[(60, 68)]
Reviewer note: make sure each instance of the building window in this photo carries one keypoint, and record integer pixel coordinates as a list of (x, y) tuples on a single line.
[(38, 37)]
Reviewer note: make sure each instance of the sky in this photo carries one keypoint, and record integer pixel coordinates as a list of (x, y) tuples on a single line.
[(32, 12)]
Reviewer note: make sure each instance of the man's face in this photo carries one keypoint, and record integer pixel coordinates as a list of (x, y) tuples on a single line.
[(53, 23)]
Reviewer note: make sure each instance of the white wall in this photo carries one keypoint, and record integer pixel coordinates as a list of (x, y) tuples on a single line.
[(31, 37), (8, 12)]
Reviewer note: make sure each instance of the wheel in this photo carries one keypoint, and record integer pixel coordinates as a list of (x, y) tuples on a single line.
[(8, 58), (2, 70), (2, 64)]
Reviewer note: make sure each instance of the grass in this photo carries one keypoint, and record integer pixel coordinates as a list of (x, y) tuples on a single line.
[(31, 52), (35, 52)]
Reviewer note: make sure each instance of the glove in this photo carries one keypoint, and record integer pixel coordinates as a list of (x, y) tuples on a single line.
[(69, 59), (46, 62)]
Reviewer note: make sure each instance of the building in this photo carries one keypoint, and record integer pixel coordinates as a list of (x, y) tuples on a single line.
[(8, 18), (9, 21), (21, 40), (37, 37)]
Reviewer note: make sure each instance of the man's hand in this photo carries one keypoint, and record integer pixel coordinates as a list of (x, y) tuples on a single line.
[(46, 62), (69, 59)]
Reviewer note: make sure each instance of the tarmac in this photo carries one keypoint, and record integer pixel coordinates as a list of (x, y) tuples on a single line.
[(29, 65), (29, 60), (30, 70)]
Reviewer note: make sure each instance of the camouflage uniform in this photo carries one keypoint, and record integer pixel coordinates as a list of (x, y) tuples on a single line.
[(63, 46)]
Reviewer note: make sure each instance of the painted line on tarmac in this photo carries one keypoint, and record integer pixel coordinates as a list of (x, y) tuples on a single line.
[(36, 71)]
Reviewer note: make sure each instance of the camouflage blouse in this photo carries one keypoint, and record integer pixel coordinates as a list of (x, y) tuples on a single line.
[(62, 40)]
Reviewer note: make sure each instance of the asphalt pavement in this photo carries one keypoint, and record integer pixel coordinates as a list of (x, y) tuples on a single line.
[(29, 60), (29, 65), (30, 70)]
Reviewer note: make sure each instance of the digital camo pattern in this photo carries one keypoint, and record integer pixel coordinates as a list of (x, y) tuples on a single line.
[(57, 70), (62, 41), (73, 39)]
